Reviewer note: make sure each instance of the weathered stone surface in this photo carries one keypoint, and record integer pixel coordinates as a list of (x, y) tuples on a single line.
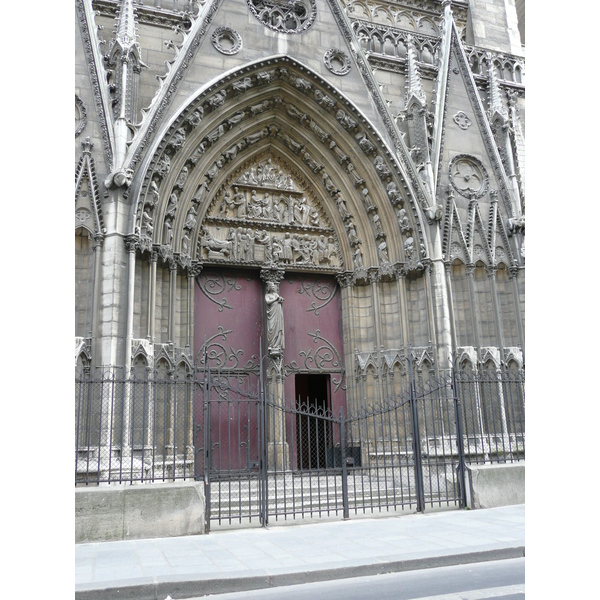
[(125, 512), (496, 485)]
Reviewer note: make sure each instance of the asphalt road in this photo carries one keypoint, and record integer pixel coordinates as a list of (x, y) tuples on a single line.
[(500, 580)]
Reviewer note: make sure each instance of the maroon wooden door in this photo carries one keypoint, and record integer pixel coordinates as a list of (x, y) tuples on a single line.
[(227, 334)]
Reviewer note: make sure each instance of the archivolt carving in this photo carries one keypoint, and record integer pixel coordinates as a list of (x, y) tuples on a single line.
[(265, 215)]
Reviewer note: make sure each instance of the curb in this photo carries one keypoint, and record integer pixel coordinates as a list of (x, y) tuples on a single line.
[(190, 588)]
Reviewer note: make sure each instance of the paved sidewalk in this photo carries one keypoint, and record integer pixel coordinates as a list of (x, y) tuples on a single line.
[(243, 559)]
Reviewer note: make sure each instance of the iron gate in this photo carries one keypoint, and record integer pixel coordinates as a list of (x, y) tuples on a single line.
[(265, 460)]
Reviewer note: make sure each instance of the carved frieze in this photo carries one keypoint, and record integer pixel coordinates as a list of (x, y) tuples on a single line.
[(264, 216)]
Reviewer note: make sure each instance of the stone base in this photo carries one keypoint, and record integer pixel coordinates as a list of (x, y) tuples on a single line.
[(278, 456), (126, 512), (489, 486)]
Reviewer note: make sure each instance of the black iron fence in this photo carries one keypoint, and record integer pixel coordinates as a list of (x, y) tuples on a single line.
[(263, 459)]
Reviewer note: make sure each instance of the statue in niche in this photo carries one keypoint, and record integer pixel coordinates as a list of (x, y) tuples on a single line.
[(168, 237), (152, 199), (242, 85), (345, 121), (239, 202), (381, 168), (357, 258), (190, 220), (172, 206), (218, 99), (364, 143), (238, 117), (182, 177), (367, 199), (233, 151), (259, 108), (197, 116), (358, 180), (393, 193), (212, 172), (200, 150), (266, 76), (200, 192), (409, 247), (277, 209), (147, 223), (164, 165), (185, 243), (403, 220), (216, 133), (178, 139), (342, 207), (256, 137), (382, 252), (352, 237), (275, 339)]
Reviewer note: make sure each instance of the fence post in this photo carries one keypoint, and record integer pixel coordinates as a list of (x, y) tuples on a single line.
[(414, 418), (344, 466), (207, 440), (460, 443), (263, 500)]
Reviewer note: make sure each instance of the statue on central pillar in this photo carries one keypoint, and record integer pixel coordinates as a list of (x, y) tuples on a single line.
[(275, 338), (277, 447)]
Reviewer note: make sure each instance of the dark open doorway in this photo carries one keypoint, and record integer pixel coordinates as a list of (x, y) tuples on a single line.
[(312, 430)]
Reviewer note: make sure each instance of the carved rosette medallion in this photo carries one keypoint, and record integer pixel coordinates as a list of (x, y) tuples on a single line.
[(337, 61), (462, 120), (226, 40), (264, 216), (468, 176), (286, 16)]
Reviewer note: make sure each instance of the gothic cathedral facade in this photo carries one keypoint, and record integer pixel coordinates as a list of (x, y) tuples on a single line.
[(310, 187)]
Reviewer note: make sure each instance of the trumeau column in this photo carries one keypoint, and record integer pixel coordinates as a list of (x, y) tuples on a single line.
[(277, 447)]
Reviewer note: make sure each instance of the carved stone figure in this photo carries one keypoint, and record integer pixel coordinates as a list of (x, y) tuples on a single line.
[(342, 207), (259, 108), (364, 143), (218, 99), (212, 172), (516, 225), (178, 138), (216, 133), (403, 220), (255, 137), (197, 116), (357, 258), (238, 117), (381, 168), (302, 84), (239, 202), (172, 206), (190, 220), (393, 193), (409, 247), (164, 165), (147, 223), (242, 85), (182, 177), (275, 338), (345, 120)]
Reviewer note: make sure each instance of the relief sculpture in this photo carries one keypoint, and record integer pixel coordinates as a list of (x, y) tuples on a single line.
[(264, 216)]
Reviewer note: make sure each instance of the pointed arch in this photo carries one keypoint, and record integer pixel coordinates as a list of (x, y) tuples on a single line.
[(282, 107)]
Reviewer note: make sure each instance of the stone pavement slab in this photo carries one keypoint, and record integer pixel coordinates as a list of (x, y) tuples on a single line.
[(242, 559)]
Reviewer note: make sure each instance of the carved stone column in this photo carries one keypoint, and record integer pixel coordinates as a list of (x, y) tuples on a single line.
[(152, 296), (193, 271), (277, 447), (172, 300)]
